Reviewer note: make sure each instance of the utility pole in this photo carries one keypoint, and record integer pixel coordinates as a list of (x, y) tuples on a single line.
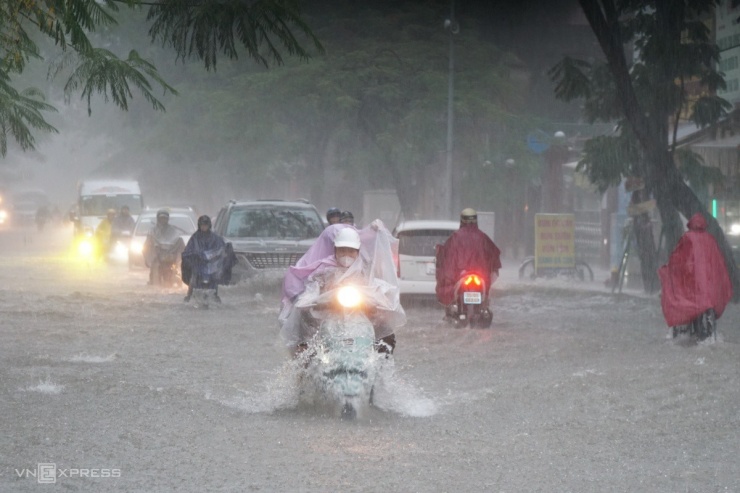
[(453, 28)]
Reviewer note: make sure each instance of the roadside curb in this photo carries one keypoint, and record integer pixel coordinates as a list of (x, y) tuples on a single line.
[(504, 288)]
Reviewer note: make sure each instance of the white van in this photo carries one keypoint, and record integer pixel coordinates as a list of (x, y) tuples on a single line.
[(95, 197)]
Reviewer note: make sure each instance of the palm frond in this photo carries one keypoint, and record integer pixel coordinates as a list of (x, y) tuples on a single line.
[(572, 80), (19, 113), (709, 109), (203, 29), (101, 72), (694, 170)]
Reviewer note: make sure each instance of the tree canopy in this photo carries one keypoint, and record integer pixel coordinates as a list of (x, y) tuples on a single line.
[(370, 110), (63, 31)]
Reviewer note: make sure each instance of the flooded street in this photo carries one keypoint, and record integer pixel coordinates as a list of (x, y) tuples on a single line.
[(123, 387)]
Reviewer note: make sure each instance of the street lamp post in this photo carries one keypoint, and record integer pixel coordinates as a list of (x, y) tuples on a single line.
[(453, 28)]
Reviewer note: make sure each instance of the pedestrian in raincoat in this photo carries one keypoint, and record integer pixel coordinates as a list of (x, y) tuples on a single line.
[(467, 249), (104, 233), (695, 278)]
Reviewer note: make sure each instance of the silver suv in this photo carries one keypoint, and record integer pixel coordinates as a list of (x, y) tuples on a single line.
[(268, 235)]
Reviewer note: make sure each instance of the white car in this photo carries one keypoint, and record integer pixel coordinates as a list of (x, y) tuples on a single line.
[(183, 219), (417, 241)]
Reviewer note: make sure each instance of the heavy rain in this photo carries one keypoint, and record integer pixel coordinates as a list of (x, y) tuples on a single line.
[(152, 349)]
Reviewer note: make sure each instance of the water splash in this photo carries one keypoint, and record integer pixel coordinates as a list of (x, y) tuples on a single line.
[(87, 358), (44, 387), (281, 391), (395, 394), (289, 387)]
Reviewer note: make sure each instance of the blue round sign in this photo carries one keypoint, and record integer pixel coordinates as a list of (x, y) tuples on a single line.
[(537, 143)]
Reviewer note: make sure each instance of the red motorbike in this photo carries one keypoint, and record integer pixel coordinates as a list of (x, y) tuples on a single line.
[(471, 303)]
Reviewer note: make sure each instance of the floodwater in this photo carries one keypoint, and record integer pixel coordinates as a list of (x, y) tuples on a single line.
[(123, 387)]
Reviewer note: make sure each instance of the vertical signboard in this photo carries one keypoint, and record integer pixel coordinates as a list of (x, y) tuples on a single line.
[(554, 241)]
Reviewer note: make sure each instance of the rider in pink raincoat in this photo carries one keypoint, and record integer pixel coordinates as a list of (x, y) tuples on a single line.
[(695, 278)]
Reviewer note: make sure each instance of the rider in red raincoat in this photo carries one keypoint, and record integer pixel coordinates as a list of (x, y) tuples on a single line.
[(695, 278), (469, 249)]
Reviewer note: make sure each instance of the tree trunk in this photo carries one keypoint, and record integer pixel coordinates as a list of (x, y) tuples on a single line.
[(646, 250)]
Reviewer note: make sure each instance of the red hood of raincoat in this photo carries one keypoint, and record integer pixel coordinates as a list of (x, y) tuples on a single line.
[(697, 223)]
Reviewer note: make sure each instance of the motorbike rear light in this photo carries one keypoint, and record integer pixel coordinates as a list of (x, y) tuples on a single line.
[(472, 280)]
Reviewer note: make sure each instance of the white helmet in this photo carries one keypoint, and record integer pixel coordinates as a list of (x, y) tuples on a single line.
[(347, 237)]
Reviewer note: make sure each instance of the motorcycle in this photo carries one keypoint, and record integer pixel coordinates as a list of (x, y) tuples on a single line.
[(163, 261), (702, 327), (341, 361), (203, 286), (118, 252), (471, 303)]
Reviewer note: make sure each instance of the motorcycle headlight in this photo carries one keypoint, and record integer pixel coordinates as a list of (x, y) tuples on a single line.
[(85, 248), (349, 296), (735, 229), (136, 247)]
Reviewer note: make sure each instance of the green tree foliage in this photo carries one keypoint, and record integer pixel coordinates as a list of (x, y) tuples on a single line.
[(31, 29), (205, 28), (28, 26)]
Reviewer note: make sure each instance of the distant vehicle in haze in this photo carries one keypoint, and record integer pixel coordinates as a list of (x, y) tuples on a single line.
[(96, 197), (25, 204)]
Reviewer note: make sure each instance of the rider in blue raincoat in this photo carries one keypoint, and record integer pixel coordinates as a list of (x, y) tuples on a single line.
[(206, 256)]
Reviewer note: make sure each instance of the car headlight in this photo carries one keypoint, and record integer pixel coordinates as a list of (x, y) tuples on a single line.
[(735, 229), (121, 250)]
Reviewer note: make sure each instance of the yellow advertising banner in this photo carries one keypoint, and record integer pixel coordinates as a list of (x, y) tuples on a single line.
[(554, 241)]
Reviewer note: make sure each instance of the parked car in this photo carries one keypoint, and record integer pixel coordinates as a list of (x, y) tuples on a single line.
[(182, 218), (268, 235), (417, 242)]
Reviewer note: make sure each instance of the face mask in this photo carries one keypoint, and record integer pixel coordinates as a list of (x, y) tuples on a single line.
[(345, 261)]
